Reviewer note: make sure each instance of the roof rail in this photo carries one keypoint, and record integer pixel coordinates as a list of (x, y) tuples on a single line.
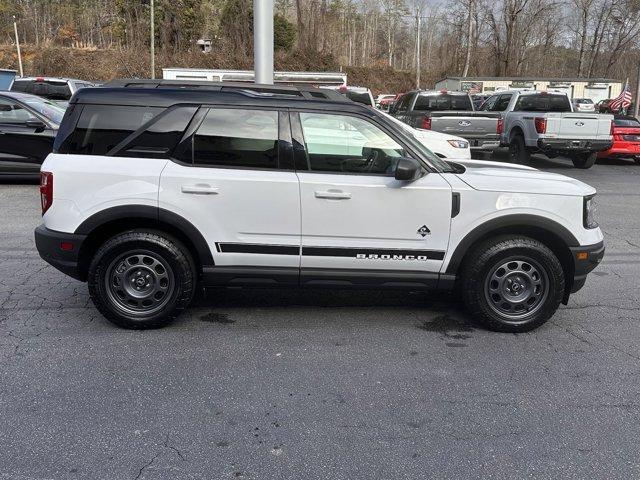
[(306, 92)]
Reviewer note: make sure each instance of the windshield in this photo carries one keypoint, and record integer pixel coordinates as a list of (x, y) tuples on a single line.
[(51, 110), (584, 100), (442, 101), (435, 160)]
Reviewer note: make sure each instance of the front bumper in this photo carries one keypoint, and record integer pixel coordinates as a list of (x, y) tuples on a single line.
[(62, 250), (585, 259), (575, 145)]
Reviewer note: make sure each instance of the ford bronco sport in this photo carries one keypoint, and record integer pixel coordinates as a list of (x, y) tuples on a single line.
[(155, 188)]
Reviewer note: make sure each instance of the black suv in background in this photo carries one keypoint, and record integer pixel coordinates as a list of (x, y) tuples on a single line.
[(28, 127)]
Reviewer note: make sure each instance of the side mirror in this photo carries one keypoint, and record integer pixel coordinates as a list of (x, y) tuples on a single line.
[(39, 125), (407, 169)]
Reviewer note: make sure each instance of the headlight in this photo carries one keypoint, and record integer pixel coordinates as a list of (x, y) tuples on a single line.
[(589, 213), (458, 143)]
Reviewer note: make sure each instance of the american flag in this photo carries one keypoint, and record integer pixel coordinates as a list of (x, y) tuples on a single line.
[(621, 101)]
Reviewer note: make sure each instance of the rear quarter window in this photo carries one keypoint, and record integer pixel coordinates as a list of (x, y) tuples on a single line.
[(101, 127)]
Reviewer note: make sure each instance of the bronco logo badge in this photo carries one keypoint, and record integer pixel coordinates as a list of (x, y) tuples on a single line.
[(424, 231)]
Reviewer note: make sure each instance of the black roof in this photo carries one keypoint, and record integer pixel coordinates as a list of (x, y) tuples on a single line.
[(164, 93)]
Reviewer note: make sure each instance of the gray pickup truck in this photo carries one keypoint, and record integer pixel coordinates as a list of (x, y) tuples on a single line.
[(544, 122), (452, 113)]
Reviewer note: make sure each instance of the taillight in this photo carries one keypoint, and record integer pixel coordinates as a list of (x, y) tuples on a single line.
[(426, 123), (611, 129), (46, 190), (541, 124), (500, 126)]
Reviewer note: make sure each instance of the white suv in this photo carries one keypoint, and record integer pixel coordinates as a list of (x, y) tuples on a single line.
[(154, 189)]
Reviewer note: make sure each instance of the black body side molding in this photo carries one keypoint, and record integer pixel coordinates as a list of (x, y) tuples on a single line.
[(156, 215), (525, 222)]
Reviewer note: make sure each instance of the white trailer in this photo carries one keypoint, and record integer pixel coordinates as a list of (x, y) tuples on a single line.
[(319, 79)]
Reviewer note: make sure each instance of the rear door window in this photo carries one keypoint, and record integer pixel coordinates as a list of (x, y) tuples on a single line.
[(237, 138), (502, 103), (443, 102)]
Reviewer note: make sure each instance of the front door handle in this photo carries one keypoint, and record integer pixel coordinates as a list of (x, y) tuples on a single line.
[(200, 189), (333, 194)]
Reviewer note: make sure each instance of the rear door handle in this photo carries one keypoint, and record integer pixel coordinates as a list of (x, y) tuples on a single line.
[(333, 194), (200, 189)]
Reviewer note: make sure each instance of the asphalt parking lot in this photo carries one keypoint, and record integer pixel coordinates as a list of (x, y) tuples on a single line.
[(320, 384)]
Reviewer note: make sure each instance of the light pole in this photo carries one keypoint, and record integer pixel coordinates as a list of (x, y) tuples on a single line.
[(418, 65), (263, 41), (153, 40), (15, 29)]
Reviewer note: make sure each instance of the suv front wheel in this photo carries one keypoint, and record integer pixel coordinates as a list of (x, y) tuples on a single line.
[(512, 284), (141, 279)]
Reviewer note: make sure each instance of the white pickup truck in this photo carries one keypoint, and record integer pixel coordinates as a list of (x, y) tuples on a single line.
[(544, 122)]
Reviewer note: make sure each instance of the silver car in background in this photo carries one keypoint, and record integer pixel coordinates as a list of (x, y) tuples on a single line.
[(583, 105)]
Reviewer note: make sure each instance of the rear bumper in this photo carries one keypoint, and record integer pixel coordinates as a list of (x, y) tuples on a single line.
[(576, 145), (630, 149), (484, 143), (585, 259), (50, 247)]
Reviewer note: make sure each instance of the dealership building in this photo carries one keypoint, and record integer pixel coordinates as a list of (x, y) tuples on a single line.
[(594, 88)]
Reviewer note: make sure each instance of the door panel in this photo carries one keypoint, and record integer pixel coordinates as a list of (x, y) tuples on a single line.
[(235, 190), (355, 214), (375, 222), (248, 217)]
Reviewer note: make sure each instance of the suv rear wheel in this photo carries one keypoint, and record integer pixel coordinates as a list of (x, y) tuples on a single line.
[(584, 160), (141, 279), (512, 284), (518, 152)]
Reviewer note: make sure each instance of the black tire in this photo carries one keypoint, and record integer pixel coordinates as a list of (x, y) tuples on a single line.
[(141, 279), (522, 259), (518, 152), (584, 160), (637, 160)]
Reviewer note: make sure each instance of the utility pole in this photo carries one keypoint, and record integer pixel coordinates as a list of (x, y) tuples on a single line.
[(15, 29), (263, 41), (418, 65), (153, 40)]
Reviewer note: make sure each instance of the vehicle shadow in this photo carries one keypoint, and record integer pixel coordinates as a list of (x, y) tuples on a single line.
[(436, 310), (325, 298)]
